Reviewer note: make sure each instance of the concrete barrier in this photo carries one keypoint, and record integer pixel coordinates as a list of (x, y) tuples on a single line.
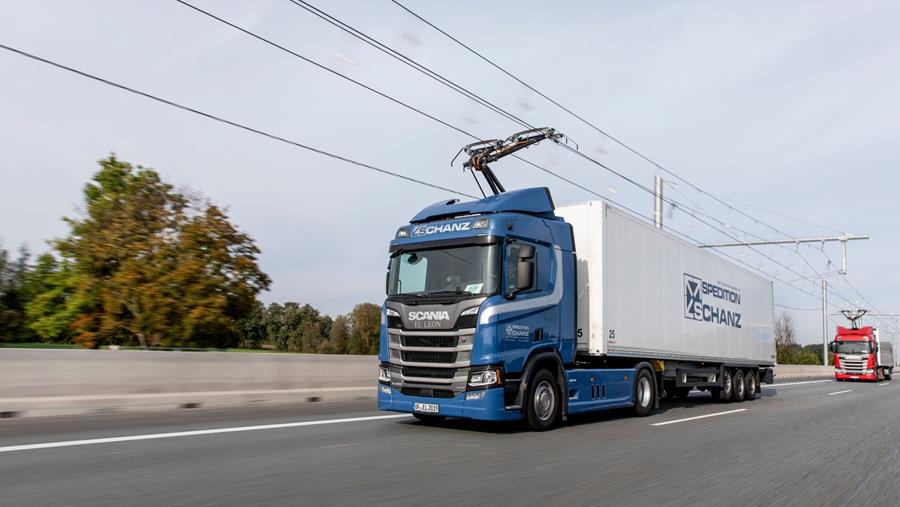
[(793, 371), (37, 382), (57, 382)]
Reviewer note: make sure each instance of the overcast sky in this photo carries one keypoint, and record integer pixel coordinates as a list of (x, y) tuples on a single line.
[(787, 106)]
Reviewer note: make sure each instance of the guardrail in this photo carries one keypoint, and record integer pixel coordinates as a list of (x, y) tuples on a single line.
[(57, 382)]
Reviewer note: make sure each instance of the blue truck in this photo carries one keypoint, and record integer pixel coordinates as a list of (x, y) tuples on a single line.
[(509, 308)]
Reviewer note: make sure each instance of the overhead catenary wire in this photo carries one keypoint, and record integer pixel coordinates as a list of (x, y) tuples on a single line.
[(636, 152), (458, 88), (383, 95), (402, 58), (585, 121), (225, 121), (602, 131), (244, 127), (295, 143)]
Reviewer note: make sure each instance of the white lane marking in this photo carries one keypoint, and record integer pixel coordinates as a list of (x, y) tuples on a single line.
[(840, 392), (698, 417), (154, 436), (797, 383), (883, 384)]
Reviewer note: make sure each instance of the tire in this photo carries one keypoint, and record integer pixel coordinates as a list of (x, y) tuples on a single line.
[(644, 392), (889, 375), (723, 394), (543, 402), (739, 393), (430, 419), (751, 381)]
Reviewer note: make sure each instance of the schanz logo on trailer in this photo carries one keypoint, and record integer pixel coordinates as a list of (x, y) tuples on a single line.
[(695, 309)]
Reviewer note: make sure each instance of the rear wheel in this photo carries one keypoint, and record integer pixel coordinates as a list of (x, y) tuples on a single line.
[(739, 392), (724, 393), (430, 419), (751, 381), (888, 374), (542, 409), (644, 392)]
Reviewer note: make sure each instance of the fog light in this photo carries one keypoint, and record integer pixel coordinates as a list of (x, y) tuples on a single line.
[(477, 395), (385, 389), (384, 375)]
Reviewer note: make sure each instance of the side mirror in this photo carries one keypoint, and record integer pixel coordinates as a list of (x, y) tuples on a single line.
[(519, 269), (832, 346), (874, 348)]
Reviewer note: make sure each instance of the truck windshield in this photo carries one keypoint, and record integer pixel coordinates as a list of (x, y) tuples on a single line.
[(456, 271), (859, 347)]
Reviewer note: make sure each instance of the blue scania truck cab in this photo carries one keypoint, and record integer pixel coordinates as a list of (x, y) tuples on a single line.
[(479, 320)]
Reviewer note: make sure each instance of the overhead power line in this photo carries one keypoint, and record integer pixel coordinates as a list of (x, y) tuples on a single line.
[(397, 55), (623, 144), (229, 122), (382, 94), (459, 89), (798, 309), (585, 121)]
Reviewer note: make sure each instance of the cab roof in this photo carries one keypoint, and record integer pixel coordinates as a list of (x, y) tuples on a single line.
[(532, 201)]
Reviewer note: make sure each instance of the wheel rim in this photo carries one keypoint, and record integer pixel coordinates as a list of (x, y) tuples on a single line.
[(739, 387), (544, 401), (726, 385), (752, 383), (644, 391)]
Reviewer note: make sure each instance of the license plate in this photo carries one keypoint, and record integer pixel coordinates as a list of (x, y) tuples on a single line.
[(428, 408)]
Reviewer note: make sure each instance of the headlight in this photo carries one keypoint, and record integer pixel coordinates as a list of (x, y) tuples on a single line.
[(384, 375), (391, 313), (484, 378), (470, 311)]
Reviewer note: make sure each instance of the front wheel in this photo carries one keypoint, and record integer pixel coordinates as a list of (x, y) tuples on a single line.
[(542, 409), (644, 393)]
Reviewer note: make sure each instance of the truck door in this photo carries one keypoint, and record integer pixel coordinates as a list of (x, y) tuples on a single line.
[(533, 321)]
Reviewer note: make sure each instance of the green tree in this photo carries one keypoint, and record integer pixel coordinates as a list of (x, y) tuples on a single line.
[(56, 303), (253, 327), (339, 336), (365, 326), (156, 266), (14, 296)]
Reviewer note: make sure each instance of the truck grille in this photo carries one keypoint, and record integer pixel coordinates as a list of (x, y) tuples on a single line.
[(436, 373), (853, 366), (431, 393), (429, 341), (428, 357)]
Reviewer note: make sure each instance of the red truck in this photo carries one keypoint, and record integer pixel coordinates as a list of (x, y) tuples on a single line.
[(859, 354)]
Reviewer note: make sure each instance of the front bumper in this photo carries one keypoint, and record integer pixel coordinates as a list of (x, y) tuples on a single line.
[(489, 408), (854, 376)]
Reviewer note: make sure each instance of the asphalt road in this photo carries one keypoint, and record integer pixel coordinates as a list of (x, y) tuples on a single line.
[(800, 444)]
